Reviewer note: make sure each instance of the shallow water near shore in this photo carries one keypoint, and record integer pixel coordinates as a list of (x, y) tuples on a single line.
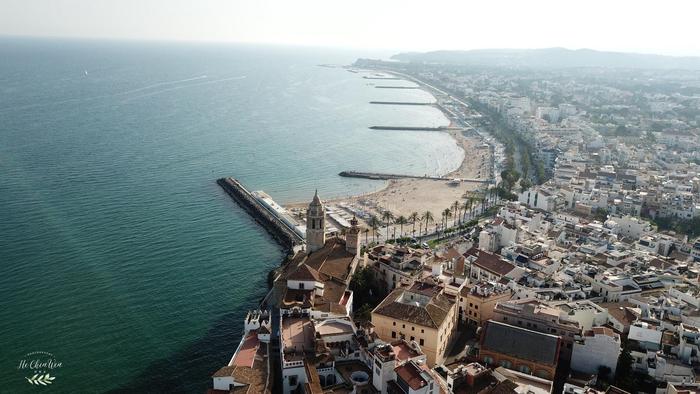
[(120, 254)]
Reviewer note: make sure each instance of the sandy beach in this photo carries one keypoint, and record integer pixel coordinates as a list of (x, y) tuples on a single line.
[(402, 197)]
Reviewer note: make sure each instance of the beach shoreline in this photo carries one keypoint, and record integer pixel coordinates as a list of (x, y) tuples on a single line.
[(402, 197)]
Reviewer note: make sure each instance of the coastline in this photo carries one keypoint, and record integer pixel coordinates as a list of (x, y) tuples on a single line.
[(404, 196)]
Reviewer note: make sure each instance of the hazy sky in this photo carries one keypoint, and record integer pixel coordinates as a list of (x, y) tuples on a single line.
[(668, 27)]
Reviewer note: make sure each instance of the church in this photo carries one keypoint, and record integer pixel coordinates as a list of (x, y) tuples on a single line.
[(316, 281)]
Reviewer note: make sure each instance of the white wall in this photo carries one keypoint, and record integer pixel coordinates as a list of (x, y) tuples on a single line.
[(594, 352)]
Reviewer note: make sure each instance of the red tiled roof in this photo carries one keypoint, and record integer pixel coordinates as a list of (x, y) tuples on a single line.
[(305, 273), (411, 374), (493, 263), (246, 354)]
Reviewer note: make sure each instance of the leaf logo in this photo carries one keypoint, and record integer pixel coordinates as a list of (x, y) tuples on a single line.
[(41, 380)]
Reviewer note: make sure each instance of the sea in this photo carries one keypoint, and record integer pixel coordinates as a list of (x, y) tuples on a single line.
[(120, 257)]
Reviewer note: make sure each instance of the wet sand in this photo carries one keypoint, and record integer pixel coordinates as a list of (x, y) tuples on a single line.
[(404, 196)]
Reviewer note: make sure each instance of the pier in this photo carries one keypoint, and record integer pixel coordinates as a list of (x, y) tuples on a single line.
[(383, 78), (279, 230), (400, 103), (396, 87), (388, 176), (409, 128)]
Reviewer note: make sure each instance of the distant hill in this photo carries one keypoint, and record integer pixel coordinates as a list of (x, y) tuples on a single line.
[(550, 57)]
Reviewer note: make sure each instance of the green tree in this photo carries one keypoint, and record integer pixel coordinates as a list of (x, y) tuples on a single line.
[(413, 217), (401, 220), (524, 185), (428, 217), (600, 214), (465, 207), (374, 223), (623, 371), (455, 209), (368, 291), (446, 214), (388, 218), (621, 130)]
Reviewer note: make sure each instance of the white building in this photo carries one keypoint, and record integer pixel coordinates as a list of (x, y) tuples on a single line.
[(599, 347), (631, 226)]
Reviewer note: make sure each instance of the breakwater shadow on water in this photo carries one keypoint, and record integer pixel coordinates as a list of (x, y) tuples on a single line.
[(189, 369)]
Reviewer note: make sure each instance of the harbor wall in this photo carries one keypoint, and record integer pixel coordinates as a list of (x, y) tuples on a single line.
[(285, 237)]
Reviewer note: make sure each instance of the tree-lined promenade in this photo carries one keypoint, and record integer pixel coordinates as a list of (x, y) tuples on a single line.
[(426, 226)]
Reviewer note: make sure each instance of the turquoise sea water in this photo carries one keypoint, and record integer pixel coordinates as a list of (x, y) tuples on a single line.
[(118, 252)]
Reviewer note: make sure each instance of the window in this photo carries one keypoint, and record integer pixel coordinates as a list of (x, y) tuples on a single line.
[(524, 369), (471, 304), (554, 331), (413, 338), (377, 371), (422, 331), (293, 380), (403, 326), (393, 334), (476, 306), (421, 341), (394, 323), (301, 285)]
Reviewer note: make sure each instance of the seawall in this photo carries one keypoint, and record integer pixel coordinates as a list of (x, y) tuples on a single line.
[(286, 238)]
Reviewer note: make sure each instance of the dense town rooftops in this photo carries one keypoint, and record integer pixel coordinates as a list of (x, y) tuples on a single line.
[(401, 304), (297, 337), (412, 374), (252, 378), (332, 260), (399, 350), (490, 262)]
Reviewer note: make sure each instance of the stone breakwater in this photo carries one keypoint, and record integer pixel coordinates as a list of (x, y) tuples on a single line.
[(283, 235)]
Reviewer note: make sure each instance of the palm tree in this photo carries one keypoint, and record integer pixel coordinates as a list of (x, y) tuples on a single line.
[(374, 224), (366, 234), (413, 217), (388, 217), (455, 209), (465, 208), (471, 208), (401, 220), (428, 217), (446, 214)]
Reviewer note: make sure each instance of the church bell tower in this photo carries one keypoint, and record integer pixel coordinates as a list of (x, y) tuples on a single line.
[(352, 237), (315, 225)]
